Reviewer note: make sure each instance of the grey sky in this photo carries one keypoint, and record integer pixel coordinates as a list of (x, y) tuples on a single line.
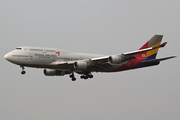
[(91, 26)]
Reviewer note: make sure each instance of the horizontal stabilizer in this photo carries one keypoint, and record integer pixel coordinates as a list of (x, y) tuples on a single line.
[(157, 60), (162, 45)]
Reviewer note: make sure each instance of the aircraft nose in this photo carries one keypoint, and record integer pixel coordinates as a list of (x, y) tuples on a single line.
[(6, 56), (9, 57)]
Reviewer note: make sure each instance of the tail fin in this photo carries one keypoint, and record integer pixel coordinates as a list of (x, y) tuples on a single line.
[(155, 41)]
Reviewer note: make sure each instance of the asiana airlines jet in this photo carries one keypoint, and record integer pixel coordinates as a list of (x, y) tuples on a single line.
[(56, 62)]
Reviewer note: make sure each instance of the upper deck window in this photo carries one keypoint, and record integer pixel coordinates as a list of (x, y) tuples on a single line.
[(18, 48), (50, 51), (35, 49)]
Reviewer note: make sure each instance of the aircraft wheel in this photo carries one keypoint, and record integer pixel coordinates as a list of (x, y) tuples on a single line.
[(85, 77), (23, 72), (90, 76), (72, 75), (73, 79), (82, 77)]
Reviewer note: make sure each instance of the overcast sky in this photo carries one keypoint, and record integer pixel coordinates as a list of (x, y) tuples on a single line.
[(90, 26)]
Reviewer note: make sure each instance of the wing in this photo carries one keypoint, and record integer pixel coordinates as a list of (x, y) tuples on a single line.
[(125, 56), (100, 63), (158, 60)]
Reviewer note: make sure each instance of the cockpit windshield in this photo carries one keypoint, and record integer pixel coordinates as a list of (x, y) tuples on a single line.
[(18, 48)]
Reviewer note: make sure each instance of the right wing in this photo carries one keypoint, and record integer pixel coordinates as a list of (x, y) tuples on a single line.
[(128, 55), (100, 63)]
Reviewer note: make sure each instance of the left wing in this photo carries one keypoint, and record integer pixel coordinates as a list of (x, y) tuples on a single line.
[(157, 60)]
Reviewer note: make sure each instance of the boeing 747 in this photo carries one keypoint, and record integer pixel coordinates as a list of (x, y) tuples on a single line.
[(56, 62)]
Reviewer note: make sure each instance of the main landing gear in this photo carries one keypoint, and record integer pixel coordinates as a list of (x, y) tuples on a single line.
[(23, 72), (72, 77), (86, 76)]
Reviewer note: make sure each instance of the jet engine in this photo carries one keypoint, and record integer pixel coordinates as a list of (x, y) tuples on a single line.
[(115, 59), (50, 72), (80, 65)]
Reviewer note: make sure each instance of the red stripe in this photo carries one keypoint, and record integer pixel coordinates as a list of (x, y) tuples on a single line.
[(126, 66), (129, 65), (144, 46), (132, 63)]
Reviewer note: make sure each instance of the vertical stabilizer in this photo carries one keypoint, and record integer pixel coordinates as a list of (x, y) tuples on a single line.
[(155, 41)]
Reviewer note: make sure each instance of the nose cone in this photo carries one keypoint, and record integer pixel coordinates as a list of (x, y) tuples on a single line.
[(7, 56)]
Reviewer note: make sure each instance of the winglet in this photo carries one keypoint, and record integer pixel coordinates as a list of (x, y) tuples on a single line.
[(162, 45)]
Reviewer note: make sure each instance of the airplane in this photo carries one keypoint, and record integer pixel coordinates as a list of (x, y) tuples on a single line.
[(56, 62)]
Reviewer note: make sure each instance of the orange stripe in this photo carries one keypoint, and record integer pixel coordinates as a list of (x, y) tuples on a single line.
[(152, 52)]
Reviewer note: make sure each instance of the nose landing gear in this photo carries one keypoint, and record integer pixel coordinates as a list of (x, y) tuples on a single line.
[(23, 71)]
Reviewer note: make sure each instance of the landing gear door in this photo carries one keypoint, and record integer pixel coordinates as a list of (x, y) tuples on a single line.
[(30, 56)]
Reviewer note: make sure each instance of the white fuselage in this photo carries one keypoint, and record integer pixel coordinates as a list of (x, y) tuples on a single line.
[(44, 57)]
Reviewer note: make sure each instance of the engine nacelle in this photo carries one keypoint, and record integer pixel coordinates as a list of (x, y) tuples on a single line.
[(80, 65), (50, 72), (115, 59)]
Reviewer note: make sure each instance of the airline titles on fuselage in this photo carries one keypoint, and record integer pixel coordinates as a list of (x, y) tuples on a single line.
[(45, 55)]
